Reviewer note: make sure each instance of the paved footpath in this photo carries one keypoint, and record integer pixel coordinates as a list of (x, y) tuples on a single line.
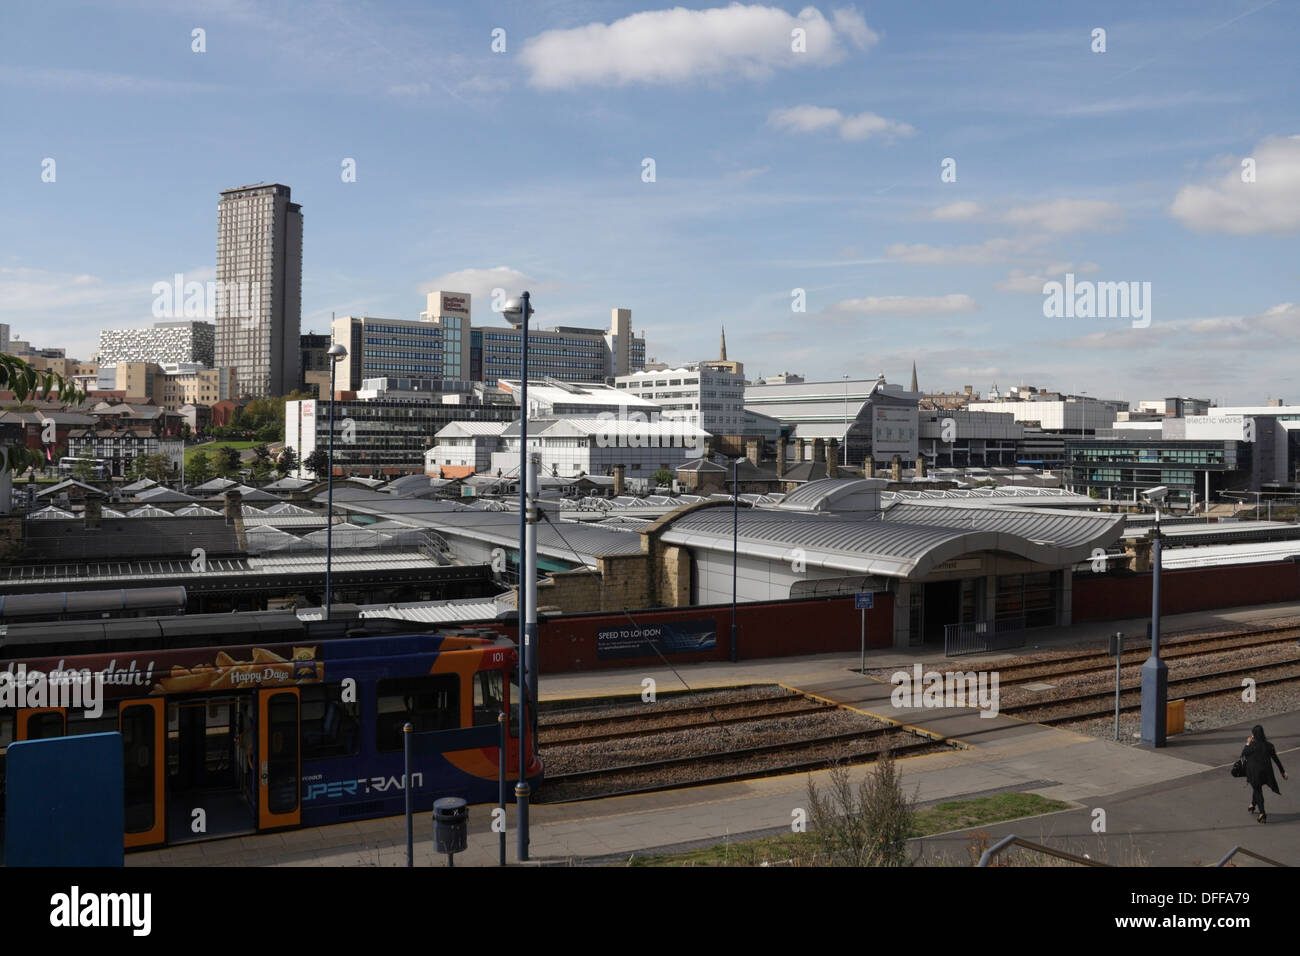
[(1164, 807)]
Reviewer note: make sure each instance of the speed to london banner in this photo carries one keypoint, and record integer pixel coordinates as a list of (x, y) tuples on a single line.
[(679, 637)]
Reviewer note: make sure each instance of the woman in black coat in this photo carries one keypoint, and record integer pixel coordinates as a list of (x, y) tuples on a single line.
[(1260, 755)]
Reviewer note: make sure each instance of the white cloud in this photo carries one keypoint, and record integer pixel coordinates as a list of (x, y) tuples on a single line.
[(991, 250), (958, 211), (1052, 215), (1271, 204), (854, 128), (482, 83), (479, 283), (1022, 280), (680, 45), (805, 119), (904, 305), (1258, 333), (410, 89), (1065, 215), (95, 81), (851, 23)]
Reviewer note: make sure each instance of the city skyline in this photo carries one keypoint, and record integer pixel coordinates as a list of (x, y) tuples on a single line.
[(518, 169)]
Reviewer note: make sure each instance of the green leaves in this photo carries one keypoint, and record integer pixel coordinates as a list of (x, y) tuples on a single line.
[(26, 381), (23, 380)]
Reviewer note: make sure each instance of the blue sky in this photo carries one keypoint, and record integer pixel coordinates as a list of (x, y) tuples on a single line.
[(774, 170)]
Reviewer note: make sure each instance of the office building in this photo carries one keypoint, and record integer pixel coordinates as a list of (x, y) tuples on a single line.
[(873, 418), (382, 437), (701, 393), (1236, 450), (173, 341), (259, 284), (566, 353), (1050, 419)]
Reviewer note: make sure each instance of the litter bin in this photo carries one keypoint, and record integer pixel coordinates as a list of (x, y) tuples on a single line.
[(450, 827), (1175, 717)]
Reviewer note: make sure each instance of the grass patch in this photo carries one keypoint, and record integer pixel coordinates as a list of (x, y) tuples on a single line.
[(213, 448), (963, 814), (782, 848)]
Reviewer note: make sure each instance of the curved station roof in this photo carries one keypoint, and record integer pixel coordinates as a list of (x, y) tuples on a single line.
[(843, 525)]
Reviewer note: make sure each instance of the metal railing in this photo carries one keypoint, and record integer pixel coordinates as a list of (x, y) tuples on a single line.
[(976, 637), (1242, 850), (988, 855), (1006, 842)]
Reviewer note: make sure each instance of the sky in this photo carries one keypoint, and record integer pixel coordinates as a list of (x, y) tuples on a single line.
[(848, 189)]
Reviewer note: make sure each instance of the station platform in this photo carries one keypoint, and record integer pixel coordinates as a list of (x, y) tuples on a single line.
[(1175, 806)]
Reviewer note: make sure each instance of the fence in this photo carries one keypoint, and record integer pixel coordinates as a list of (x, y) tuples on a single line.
[(976, 637)]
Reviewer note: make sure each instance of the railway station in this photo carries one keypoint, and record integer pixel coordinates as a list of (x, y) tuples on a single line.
[(744, 615)]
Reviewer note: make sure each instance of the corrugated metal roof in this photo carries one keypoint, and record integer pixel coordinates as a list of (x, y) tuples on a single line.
[(1064, 530), (861, 542), (424, 612), (1228, 554)]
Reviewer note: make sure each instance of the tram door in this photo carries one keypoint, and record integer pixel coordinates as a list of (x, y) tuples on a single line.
[(143, 724), (38, 723), (279, 733)]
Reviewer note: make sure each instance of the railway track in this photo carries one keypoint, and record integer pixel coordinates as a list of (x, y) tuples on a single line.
[(1102, 703), (1098, 663), (720, 766), (660, 721)]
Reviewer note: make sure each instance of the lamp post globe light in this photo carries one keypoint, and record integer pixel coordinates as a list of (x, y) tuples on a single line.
[(336, 353), (1155, 674), (519, 311)]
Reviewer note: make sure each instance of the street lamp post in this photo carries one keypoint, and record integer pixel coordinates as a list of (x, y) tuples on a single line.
[(337, 352), (735, 538), (522, 308), (1155, 673), (846, 421)]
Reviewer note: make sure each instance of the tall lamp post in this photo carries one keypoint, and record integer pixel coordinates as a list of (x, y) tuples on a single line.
[(523, 310), (735, 551), (846, 421), (337, 353), (1155, 674)]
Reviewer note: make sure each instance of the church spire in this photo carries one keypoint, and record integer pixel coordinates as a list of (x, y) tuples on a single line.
[(915, 387), (722, 357)]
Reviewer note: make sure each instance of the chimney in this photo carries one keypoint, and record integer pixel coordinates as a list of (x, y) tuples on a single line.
[(780, 457), (970, 389), (832, 459), (234, 507), (819, 450), (798, 450), (896, 468), (752, 450), (618, 480), (869, 467), (920, 465), (94, 511)]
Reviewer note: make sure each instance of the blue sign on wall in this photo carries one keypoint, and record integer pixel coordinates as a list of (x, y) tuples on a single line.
[(679, 637), (864, 602), (64, 801)]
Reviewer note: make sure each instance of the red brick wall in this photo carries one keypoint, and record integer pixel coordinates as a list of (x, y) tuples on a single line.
[(1105, 597), (786, 628)]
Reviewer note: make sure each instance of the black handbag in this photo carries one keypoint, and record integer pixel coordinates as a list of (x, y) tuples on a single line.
[(1239, 768)]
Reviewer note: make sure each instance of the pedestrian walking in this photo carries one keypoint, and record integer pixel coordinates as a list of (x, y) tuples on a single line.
[(1260, 755)]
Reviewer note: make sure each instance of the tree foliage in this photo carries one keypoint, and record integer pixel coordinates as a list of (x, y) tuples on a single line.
[(287, 462), (317, 463), (228, 462), (200, 468), (27, 382)]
